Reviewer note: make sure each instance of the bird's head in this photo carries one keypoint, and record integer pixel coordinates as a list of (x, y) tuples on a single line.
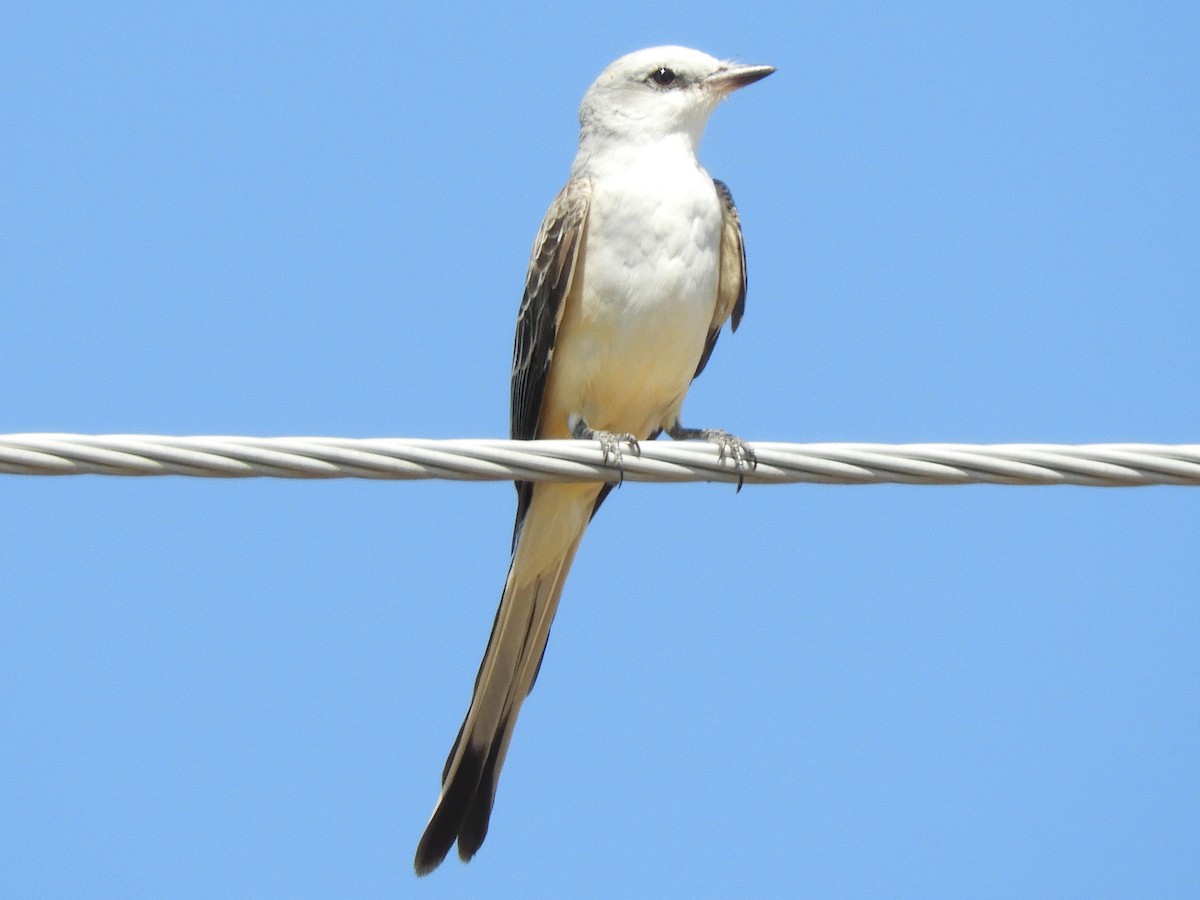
[(660, 92)]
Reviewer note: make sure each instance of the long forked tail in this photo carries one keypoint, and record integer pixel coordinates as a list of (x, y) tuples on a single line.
[(549, 536)]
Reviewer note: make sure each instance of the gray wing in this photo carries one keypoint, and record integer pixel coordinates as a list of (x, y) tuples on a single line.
[(731, 283), (551, 270)]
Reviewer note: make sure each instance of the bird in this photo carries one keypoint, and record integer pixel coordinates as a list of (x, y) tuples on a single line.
[(638, 265)]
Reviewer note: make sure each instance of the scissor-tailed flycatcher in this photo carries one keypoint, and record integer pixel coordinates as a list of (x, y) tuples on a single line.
[(638, 264)]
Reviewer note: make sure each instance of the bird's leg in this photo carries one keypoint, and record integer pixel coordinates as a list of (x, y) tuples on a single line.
[(610, 441), (729, 447)]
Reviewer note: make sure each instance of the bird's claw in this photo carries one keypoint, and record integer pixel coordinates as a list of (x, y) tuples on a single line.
[(732, 448), (610, 444)]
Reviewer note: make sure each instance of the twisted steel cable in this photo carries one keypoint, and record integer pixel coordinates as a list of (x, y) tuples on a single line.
[(1096, 465)]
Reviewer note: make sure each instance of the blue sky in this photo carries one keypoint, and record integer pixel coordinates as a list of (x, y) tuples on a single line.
[(963, 224)]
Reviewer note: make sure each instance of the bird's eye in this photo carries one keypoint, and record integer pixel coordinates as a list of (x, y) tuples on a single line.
[(663, 77)]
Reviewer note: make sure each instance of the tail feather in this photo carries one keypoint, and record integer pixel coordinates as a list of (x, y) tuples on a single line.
[(548, 539)]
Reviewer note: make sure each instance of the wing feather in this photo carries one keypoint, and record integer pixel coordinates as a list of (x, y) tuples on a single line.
[(551, 270), (731, 281)]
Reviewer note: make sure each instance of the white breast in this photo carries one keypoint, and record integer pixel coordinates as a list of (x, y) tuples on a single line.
[(643, 298)]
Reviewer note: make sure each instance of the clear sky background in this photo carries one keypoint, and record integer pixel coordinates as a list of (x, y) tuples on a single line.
[(963, 224)]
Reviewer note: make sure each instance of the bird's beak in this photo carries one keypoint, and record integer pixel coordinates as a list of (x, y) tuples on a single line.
[(730, 77)]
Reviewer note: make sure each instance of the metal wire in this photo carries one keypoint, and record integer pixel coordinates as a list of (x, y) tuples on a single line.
[(1096, 465)]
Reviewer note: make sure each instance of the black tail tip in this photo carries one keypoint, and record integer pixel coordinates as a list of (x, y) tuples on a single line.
[(428, 859), (435, 846)]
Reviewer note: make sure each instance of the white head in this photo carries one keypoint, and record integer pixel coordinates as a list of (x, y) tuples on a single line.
[(660, 92)]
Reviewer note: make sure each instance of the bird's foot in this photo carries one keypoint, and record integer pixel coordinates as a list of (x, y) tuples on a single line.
[(729, 447), (610, 442)]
